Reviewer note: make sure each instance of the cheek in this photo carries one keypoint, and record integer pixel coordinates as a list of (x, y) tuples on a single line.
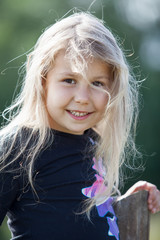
[(101, 102), (58, 98)]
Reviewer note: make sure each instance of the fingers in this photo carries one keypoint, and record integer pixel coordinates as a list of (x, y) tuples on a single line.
[(140, 185), (154, 194), (154, 200)]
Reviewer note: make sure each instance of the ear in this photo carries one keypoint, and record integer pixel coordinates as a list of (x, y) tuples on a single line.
[(44, 87), (44, 82)]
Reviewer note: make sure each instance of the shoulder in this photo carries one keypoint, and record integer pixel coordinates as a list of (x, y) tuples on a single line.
[(12, 148)]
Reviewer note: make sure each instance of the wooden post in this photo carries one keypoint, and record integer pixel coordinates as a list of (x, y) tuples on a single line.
[(133, 216)]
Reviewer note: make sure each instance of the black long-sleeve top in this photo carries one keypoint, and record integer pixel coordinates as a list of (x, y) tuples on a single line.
[(60, 172)]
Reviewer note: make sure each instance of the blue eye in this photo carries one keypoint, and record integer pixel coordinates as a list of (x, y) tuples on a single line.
[(98, 84), (69, 81)]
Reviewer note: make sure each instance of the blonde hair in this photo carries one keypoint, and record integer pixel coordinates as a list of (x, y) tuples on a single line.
[(82, 36)]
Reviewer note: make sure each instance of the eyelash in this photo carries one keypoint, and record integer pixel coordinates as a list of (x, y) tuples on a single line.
[(98, 84), (72, 82), (69, 81)]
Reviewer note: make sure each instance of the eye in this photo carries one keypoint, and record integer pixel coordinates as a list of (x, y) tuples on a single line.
[(98, 84), (69, 81)]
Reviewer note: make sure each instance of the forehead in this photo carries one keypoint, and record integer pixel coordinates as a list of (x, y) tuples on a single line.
[(80, 65)]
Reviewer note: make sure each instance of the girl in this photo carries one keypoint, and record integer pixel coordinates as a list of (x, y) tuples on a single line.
[(68, 133)]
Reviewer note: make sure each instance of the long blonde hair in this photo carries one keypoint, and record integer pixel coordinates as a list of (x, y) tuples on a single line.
[(82, 36)]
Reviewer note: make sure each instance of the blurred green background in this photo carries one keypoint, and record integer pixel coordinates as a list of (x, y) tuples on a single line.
[(137, 23)]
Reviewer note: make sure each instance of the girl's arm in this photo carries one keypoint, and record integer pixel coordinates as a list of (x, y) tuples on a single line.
[(154, 194), (9, 189)]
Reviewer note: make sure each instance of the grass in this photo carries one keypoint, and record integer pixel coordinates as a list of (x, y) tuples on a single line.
[(155, 227)]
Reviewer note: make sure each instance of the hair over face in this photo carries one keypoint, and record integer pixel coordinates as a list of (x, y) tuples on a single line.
[(83, 37)]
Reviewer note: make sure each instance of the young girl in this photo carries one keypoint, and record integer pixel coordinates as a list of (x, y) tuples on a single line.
[(68, 134)]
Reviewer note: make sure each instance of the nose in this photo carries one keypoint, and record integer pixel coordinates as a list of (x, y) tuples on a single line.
[(82, 95)]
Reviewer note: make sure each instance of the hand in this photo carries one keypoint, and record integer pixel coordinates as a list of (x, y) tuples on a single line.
[(154, 194)]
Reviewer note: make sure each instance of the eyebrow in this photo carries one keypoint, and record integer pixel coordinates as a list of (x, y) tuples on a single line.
[(70, 74), (102, 77)]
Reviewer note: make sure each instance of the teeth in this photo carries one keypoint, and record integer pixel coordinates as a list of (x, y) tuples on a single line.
[(78, 114)]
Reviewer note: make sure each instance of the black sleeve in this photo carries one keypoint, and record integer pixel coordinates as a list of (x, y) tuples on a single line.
[(9, 188), (12, 177)]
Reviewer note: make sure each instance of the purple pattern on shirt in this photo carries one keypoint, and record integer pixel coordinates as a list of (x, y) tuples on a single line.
[(98, 187)]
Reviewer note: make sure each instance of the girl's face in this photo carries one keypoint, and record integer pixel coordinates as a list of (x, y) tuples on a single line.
[(73, 103)]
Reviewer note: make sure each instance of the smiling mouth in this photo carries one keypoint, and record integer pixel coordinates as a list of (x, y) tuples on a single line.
[(79, 114)]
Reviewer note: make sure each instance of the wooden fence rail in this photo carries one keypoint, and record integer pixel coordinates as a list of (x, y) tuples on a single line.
[(133, 216)]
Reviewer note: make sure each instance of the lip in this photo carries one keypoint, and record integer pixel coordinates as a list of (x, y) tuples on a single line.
[(79, 117)]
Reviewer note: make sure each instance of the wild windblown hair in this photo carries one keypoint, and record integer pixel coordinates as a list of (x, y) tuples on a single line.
[(83, 37)]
